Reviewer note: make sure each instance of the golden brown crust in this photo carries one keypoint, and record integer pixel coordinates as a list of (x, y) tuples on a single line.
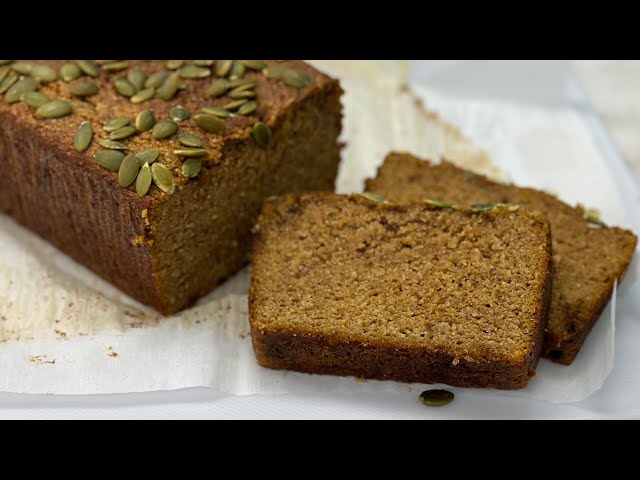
[(389, 324), (146, 246), (588, 258)]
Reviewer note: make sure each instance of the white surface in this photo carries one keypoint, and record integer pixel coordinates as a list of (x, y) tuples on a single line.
[(402, 403)]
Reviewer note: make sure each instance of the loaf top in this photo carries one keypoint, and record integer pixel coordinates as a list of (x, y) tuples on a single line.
[(468, 284), (277, 85), (588, 255)]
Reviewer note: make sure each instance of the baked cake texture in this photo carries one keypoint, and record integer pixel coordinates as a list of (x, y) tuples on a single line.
[(344, 285), (211, 139), (588, 255)]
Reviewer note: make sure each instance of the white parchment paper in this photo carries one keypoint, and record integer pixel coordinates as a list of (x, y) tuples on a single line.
[(63, 330)]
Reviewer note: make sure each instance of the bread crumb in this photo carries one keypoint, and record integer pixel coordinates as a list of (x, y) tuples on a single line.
[(111, 352), (41, 360)]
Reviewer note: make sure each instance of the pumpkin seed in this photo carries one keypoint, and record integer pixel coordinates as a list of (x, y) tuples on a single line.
[(274, 72), (145, 120), (43, 73), (54, 109), (436, 398), (191, 168), (88, 67), (437, 203), (248, 108), (296, 78), (20, 88), (34, 99), (116, 66), (116, 123), (194, 71), (83, 137), (243, 87), (4, 71), (143, 181), (156, 79), (190, 141), (209, 123), (481, 207), (204, 63), (70, 71), (179, 114), (165, 129), (236, 104), (9, 80), (253, 64), (242, 94), (191, 152), (122, 133), (218, 87), (5, 62), (148, 156), (237, 71), (174, 64), (83, 89), (374, 197), (238, 82), (23, 68), (162, 177), (169, 88), (124, 87), (109, 159), (143, 95), (262, 134), (128, 171), (218, 112), (136, 78), (113, 144), (223, 67)]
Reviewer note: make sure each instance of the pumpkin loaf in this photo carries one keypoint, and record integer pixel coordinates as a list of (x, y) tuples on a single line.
[(343, 285), (588, 255), (152, 173)]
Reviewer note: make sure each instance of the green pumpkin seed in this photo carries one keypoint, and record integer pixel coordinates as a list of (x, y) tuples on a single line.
[(136, 78), (148, 156), (116, 123), (243, 87), (437, 203), (254, 64), (20, 88), (218, 87), (145, 120), (143, 95), (128, 171), (217, 112), (83, 89), (248, 108), (274, 72), (193, 71), (9, 80), (83, 137), (223, 67), (169, 88), (116, 66), (191, 168), (54, 109), (179, 114), (162, 177), (143, 181), (34, 99), (236, 104), (262, 134), (165, 129), (174, 64), (374, 197), (190, 152), (4, 71), (239, 82), (482, 206), (156, 79), (23, 68), (237, 71), (242, 94), (122, 133), (43, 74), (88, 67), (436, 398), (209, 123), (296, 78), (204, 63), (190, 141), (113, 144), (124, 87), (70, 71), (109, 159)]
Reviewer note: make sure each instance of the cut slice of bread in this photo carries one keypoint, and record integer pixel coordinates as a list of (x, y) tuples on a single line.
[(343, 285), (588, 256)]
